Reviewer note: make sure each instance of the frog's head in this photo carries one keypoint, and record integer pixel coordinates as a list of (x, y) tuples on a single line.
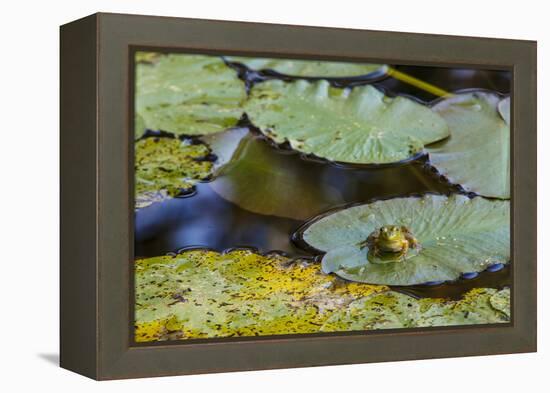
[(390, 233)]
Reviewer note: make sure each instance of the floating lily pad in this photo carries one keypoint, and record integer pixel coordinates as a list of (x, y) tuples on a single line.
[(312, 68), (167, 167), (455, 235), (477, 155), (360, 125), (266, 181), (200, 293), (393, 310), (188, 94)]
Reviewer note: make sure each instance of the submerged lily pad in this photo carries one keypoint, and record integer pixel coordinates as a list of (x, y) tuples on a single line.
[(477, 155), (188, 94), (266, 181), (200, 293), (455, 235), (359, 125), (312, 68), (393, 310), (167, 167), (225, 144)]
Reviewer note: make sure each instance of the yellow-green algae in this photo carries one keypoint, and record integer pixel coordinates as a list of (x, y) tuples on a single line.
[(200, 294), (391, 310), (164, 167), (206, 294)]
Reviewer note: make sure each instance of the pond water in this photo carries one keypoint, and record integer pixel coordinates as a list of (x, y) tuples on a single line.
[(267, 193)]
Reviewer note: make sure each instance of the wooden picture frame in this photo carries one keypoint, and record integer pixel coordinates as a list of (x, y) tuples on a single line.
[(97, 198)]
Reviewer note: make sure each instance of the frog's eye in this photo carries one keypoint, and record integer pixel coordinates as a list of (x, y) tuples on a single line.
[(384, 229)]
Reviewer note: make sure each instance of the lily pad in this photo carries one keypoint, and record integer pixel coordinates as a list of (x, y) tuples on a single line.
[(312, 68), (201, 293), (455, 235), (393, 310), (167, 167), (359, 125), (188, 94), (477, 155), (266, 181)]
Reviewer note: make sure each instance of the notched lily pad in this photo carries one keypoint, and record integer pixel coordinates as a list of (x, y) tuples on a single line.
[(200, 294), (188, 94), (477, 154), (393, 310), (454, 235), (359, 125), (167, 167), (312, 68)]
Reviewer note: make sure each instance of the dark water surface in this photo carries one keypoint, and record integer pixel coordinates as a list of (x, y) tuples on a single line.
[(449, 79)]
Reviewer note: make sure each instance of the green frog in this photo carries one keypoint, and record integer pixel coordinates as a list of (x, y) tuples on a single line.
[(391, 241)]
